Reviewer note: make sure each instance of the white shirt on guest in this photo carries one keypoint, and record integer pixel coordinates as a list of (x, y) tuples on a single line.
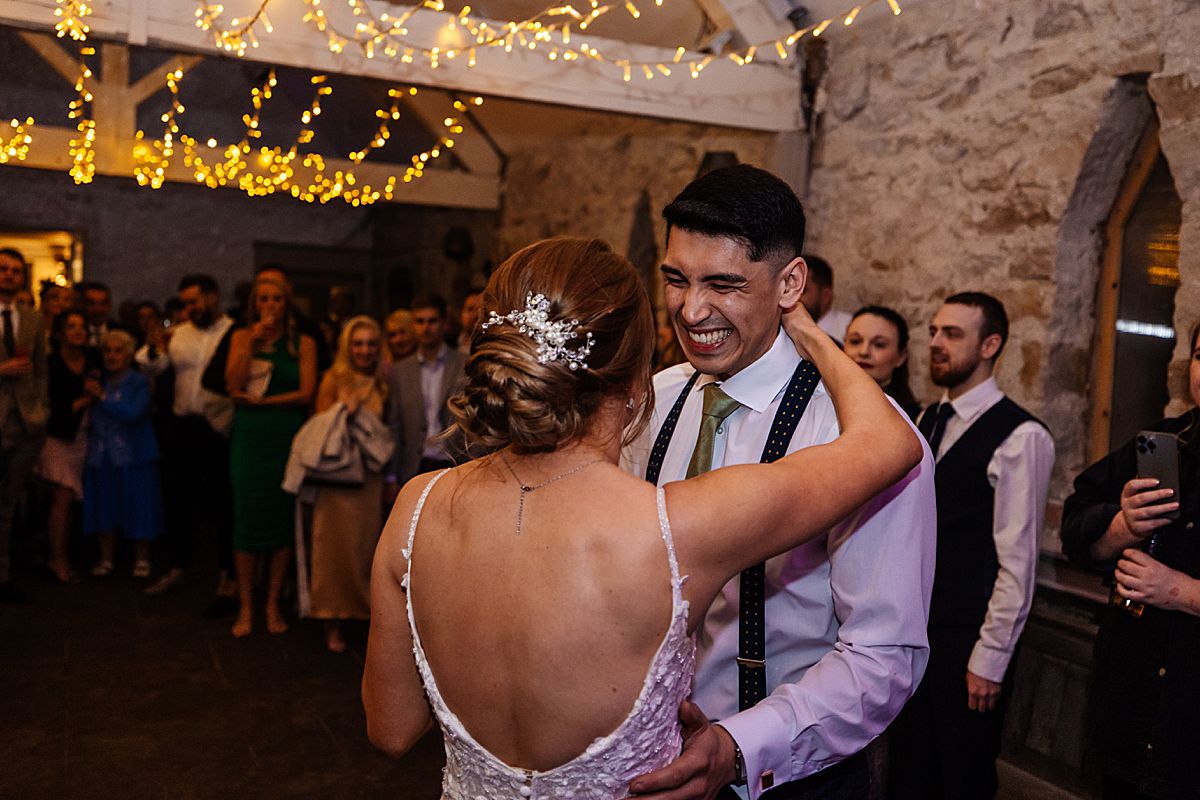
[(189, 351), (846, 614), (433, 372), (835, 323), (1019, 472)]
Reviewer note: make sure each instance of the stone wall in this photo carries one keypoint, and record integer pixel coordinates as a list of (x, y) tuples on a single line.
[(950, 151), (586, 174)]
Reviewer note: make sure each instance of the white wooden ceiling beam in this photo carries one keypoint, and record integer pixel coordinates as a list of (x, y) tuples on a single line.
[(58, 59), (758, 96)]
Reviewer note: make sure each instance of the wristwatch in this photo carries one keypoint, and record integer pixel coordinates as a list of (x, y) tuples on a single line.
[(739, 766)]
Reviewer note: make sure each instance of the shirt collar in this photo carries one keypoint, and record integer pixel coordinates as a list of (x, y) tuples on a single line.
[(438, 360), (973, 402), (761, 382)]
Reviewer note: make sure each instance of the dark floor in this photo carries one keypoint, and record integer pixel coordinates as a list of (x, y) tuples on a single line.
[(106, 693)]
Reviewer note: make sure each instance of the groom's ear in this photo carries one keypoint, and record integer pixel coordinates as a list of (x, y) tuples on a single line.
[(792, 279)]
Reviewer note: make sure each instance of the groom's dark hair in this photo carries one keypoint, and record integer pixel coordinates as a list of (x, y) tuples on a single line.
[(746, 204)]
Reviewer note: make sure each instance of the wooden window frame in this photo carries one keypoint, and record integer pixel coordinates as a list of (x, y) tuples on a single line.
[(1108, 293)]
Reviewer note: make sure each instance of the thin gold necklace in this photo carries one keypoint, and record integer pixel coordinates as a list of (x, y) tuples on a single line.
[(526, 489)]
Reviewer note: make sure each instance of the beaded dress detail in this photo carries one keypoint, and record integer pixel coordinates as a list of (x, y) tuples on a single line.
[(648, 738)]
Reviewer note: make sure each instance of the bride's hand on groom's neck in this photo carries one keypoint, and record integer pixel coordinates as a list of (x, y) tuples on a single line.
[(800, 327)]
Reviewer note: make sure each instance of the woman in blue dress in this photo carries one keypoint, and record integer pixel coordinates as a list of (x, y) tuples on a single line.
[(120, 482)]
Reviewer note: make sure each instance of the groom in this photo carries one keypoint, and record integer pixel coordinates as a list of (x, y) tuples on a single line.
[(806, 659)]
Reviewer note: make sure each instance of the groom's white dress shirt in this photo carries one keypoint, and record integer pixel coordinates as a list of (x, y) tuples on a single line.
[(846, 613)]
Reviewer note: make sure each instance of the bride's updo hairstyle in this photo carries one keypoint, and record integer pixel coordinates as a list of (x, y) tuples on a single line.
[(509, 397)]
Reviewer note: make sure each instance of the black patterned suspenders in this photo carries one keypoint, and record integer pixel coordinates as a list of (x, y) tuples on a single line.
[(752, 675)]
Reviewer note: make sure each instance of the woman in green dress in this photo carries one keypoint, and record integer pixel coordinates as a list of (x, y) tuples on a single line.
[(271, 375)]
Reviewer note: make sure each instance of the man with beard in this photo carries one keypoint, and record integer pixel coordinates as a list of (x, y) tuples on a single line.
[(196, 452), (993, 473), (806, 658)]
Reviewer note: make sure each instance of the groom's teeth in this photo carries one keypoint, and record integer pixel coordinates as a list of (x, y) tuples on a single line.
[(709, 337)]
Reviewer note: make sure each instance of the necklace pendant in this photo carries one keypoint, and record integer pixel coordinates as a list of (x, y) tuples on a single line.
[(525, 488)]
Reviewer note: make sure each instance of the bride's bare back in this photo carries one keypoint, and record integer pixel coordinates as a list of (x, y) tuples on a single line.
[(539, 643)]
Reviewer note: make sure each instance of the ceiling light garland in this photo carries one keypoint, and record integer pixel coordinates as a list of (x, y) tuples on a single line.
[(83, 144), (17, 145), (276, 169), (386, 34), (71, 15), (151, 162)]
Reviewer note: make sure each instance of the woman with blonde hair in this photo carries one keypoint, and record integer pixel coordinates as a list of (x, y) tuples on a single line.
[(533, 601), (345, 521), (271, 375)]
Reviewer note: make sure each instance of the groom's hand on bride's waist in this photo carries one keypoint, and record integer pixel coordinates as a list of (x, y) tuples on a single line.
[(705, 765)]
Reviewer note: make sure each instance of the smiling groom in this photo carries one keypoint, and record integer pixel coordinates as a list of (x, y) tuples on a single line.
[(805, 659)]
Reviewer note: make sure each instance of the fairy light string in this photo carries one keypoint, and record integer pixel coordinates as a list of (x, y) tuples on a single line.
[(82, 147), (16, 146), (71, 16), (549, 32), (151, 161), (274, 170)]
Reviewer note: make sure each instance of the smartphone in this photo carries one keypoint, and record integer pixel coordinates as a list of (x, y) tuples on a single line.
[(1158, 457)]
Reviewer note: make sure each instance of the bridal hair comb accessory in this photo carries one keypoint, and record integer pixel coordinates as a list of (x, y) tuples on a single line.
[(551, 337)]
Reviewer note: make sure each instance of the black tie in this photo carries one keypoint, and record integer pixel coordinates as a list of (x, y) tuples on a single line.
[(943, 412), (10, 340)]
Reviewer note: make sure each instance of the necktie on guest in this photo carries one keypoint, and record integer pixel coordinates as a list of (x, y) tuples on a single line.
[(10, 339), (944, 412), (717, 407)]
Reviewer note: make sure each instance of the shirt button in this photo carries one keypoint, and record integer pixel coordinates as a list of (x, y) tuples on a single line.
[(1189, 526), (1149, 747), (720, 429), (1162, 672)]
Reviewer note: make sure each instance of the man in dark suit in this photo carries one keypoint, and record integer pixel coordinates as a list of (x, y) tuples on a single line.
[(420, 385), (23, 404), (97, 307)]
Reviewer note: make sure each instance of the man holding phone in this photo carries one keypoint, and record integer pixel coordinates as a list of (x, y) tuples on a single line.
[(23, 404), (992, 475), (1124, 521)]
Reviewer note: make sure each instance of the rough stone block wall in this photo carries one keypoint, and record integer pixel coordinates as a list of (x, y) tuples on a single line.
[(586, 178), (948, 157)]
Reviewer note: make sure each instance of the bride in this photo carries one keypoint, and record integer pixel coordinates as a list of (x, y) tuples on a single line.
[(539, 602)]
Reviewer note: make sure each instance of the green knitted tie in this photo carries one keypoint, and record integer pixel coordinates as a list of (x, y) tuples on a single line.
[(717, 406)]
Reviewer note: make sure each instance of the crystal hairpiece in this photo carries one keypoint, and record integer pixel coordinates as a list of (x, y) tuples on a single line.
[(551, 337)]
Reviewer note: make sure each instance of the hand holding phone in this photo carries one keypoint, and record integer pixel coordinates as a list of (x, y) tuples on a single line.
[(1157, 460)]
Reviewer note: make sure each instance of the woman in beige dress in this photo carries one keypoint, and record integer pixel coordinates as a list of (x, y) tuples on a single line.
[(346, 519)]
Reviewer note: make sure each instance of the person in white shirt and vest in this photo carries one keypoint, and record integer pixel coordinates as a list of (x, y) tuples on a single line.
[(24, 404), (805, 659), (196, 447), (993, 473)]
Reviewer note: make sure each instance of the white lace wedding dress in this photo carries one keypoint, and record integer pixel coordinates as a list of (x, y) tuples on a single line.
[(647, 739)]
